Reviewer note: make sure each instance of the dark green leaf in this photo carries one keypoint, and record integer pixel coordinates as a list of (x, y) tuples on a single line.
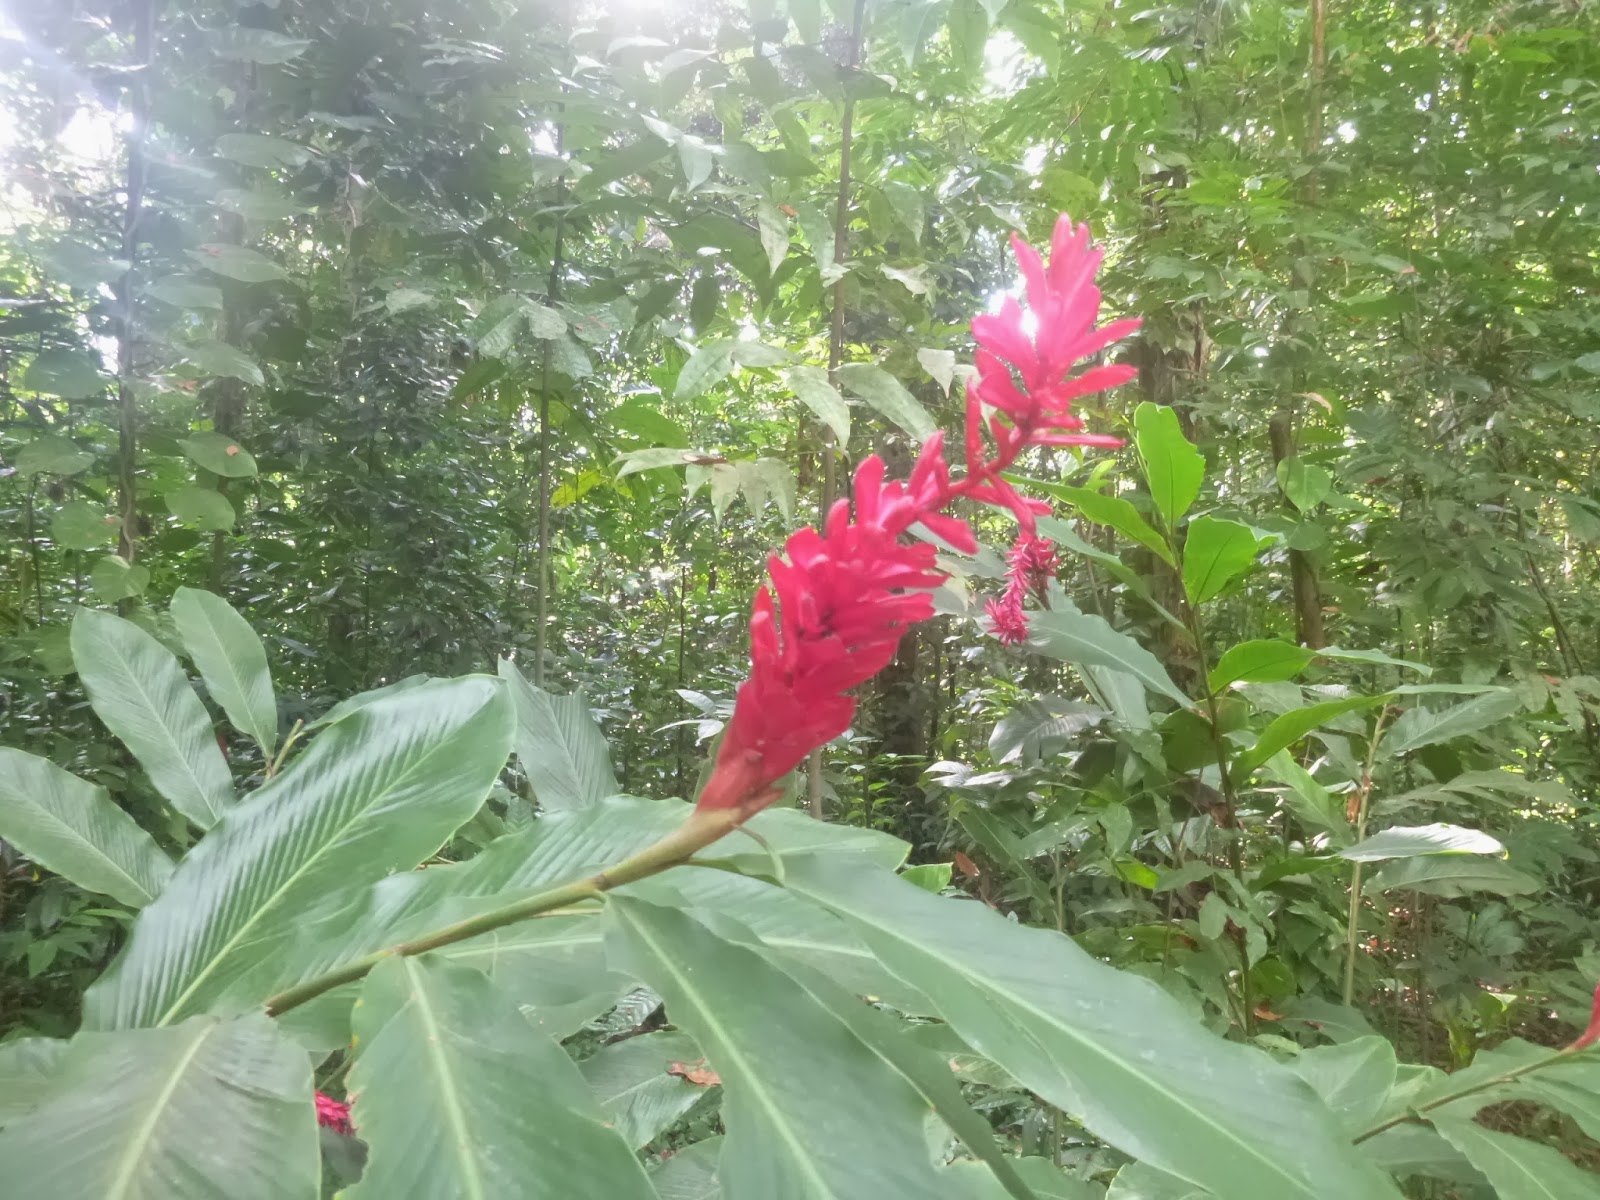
[(70, 374), (201, 508), (1077, 637)]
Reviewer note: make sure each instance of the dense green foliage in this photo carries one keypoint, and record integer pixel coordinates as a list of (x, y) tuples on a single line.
[(343, 348)]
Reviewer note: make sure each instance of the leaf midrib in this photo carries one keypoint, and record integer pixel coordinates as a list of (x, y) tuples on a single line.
[(730, 1048), (334, 837), (449, 1090), (1087, 1044)]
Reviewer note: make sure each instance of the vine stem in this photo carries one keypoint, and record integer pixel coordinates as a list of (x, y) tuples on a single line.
[(1416, 1114), (698, 832)]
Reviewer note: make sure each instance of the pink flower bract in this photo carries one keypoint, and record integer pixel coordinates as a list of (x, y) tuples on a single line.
[(840, 600)]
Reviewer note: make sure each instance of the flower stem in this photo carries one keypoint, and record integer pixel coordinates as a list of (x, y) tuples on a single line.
[(699, 831), (1416, 1114)]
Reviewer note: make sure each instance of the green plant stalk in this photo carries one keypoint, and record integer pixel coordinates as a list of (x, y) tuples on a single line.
[(677, 847), (1352, 930), (1416, 1114)]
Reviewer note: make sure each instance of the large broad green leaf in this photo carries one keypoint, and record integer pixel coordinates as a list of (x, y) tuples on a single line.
[(51, 454), (1353, 1079), (457, 1096), (1077, 637), (220, 454), (232, 661), (1112, 1050), (561, 749), (71, 827), (708, 366), (201, 507), (809, 1111), (888, 396), (1283, 732), (26, 1065), (240, 262), (1418, 727), (1454, 875), (1215, 552), (70, 374), (1266, 661), (1520, 1169), (1408, 841), (140, 692), (200, 1110), (1173, 468), (548, 966), (634, 1083), (375, 793)]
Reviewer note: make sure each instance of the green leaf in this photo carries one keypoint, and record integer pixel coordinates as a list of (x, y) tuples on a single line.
[(244, 43), (1373, 656), (200, 1110), (1139, 1181), (74, 829), (1215, 552), (816, 393), (137, 688), (774, 227), (707, 366), (237, 262), (83, 525), (26, 1065), (259, 150), (220, 454), (1354, 1079), (1173, 468), (231, 660), (1454, 876), (1408, 841), (1112, 1050), (653, 458), (691, 1173), (1519, 1169), (888, 397), (185, 291), (1115, 512), (561, 749), (376, 792), (114, 578), (1418, 727), (259, 203), (220, 359), (1266, 661), (1077, 637), (201, 507), (1045, 1180), (1038, 726), (1305, 484), (794, 1076), (1293, 725), (70, 374), (51, 454), (458, 1096), (631, 1081)]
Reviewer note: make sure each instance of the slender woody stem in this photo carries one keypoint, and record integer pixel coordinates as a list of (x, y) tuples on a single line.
[(699, 831)]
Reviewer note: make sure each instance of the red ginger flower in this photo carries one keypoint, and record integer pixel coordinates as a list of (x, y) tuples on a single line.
[(1032, 566), (841, 600), (333, 1114)]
